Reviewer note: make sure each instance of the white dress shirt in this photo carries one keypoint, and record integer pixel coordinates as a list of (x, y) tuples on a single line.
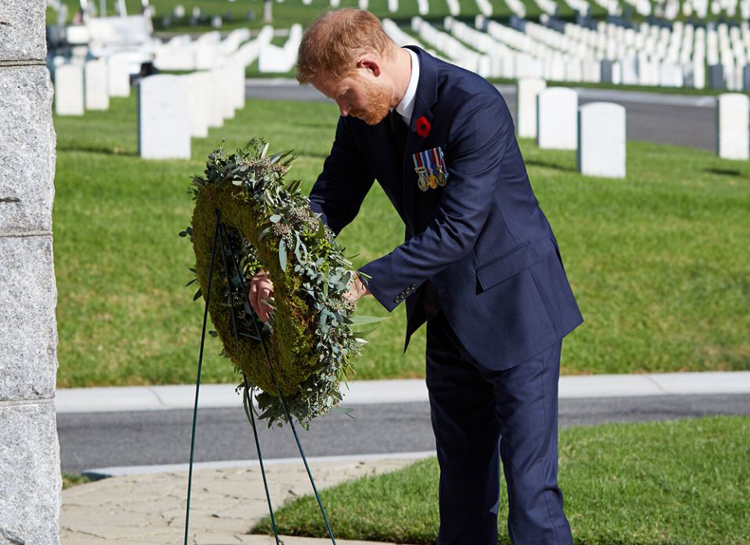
[(406, 106)]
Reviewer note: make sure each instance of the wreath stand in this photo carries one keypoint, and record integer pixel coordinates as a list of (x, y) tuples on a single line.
[(221, 237)]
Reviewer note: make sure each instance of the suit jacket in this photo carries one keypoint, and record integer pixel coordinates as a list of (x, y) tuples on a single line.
[(482, 239)]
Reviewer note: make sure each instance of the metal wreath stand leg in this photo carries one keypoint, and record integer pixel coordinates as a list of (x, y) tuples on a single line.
[(220, 235)]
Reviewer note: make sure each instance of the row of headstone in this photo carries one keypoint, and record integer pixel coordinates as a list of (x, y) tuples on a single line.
[(172, 109), (606, 53), (81, 87), (183, 53), (651, 56), (402, 38), (452, 47), (552, 116), (88, 84), (82, 84)]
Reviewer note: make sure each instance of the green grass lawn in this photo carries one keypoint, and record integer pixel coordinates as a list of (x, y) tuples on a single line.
[(683, 482), (658, 261)]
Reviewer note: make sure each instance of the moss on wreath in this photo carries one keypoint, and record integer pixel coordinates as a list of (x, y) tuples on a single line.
[(291, 346), (269, 224)]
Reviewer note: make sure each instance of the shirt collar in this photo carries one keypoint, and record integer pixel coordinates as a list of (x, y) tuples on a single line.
[(406, 106)]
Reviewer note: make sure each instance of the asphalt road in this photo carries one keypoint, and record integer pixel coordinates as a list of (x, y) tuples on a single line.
[(680, 120), (95, 440)]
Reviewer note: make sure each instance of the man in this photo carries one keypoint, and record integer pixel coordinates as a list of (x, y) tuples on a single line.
[(480, 264)]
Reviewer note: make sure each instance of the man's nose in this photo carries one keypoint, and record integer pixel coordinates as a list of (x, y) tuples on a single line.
[(343, 108)]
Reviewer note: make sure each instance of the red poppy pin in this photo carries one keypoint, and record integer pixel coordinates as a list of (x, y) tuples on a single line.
[(423, 127)]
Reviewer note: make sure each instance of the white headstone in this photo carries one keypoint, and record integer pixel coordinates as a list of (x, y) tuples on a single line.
[(216, 106), (178, 56), (163, 117), (69, 90), (119, 75), (732, 122), (199, 102), (96, 85), (671, 75), (238, 82), (274, 59), (630, 71), (527, 90), (226, 91), (601, 140), (557, 118), (206, 56)]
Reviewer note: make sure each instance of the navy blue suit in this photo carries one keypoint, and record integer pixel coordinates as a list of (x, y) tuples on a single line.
[(494, 266)]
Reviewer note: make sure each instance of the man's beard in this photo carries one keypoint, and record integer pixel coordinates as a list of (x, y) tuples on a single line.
[(378, 103)]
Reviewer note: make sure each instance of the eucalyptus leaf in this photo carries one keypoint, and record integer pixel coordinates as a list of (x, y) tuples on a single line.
[(282, 254), (360, 320)]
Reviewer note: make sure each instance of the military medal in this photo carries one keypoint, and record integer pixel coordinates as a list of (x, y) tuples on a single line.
[(419, 168), (442, 176), (430, 168), (422, 181)]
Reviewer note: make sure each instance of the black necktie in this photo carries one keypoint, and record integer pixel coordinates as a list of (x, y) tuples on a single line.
[(399, 130)]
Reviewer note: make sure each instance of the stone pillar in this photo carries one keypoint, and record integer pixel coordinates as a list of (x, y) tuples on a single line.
[(29, 451)]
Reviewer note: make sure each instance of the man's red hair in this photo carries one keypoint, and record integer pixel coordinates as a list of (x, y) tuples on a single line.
[(332, 43)]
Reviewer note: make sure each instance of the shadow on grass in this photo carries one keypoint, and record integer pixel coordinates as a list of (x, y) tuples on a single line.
[(726, 172), (102, 150), (551, 165)]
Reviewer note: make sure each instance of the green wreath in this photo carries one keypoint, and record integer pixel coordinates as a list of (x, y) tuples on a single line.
[(310, 335)]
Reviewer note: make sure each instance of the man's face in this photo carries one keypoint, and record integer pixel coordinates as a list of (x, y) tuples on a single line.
[(359, 94)]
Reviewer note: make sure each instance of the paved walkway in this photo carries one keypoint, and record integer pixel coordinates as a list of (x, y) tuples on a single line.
[(367, 392), (226, 503)]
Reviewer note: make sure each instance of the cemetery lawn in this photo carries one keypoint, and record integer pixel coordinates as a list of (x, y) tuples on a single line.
[(658, 261), (655, 483)]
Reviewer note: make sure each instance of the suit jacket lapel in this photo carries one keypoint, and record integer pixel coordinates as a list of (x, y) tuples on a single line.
[(425, 98)]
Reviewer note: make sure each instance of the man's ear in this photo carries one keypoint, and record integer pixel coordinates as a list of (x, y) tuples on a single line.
[(371, 64)]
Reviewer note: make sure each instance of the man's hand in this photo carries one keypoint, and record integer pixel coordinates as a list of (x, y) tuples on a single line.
[(261, 289), (356, 289)]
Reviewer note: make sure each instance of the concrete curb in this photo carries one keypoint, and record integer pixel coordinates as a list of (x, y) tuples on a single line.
[(368, 392), (105, 472)]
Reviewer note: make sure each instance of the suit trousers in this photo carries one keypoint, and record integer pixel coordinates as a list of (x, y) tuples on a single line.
[(480, 416)]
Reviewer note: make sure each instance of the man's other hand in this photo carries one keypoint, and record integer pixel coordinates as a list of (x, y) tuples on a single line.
[(261, 289), (356, 289)]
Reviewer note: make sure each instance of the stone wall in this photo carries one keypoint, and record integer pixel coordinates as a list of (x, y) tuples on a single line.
[(29, 452)]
